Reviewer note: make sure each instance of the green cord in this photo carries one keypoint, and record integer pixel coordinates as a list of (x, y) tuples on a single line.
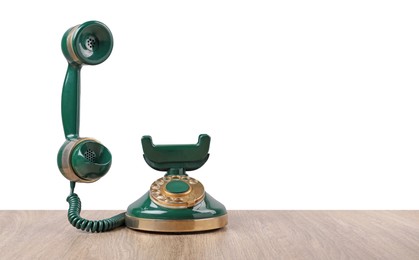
[(72, 186), (90, 225)]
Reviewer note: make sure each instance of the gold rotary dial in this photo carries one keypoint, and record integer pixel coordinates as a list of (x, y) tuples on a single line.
[(177, 191)]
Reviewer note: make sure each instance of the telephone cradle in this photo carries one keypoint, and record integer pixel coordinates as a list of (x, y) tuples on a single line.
[(175, 202)]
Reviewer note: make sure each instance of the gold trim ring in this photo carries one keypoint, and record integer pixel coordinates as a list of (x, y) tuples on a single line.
[(70, 46), (187, 225)]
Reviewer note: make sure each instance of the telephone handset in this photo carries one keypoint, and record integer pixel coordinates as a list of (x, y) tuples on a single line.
[(175, 202)]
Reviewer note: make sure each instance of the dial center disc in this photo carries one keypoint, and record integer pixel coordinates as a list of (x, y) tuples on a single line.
[(177, 186)]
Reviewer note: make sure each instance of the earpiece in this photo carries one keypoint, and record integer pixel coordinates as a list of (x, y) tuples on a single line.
[(88, 43), (82, 159)]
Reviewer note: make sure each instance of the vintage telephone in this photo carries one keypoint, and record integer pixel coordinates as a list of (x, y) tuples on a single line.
[(175, 202)]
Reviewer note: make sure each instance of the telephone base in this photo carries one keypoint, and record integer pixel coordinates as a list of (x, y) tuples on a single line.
[(144, 214)]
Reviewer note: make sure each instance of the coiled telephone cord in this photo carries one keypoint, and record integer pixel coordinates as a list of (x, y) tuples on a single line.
[(90, 225)]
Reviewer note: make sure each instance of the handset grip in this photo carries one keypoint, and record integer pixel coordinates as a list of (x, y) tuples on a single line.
[(70, 102)]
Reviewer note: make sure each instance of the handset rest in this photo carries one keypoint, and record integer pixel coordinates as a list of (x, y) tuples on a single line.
[(187, 156)]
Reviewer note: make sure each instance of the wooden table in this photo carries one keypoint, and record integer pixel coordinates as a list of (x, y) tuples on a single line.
[(249, 235)]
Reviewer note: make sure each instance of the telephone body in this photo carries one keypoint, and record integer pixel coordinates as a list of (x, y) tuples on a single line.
[(175, 202)]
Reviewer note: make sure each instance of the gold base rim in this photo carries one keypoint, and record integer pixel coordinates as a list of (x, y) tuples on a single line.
[(177, 226)]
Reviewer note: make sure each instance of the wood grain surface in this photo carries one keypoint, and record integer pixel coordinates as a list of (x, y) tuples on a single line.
[(249, 235)]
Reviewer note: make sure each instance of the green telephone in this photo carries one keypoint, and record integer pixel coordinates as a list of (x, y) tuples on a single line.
[(175, 202)]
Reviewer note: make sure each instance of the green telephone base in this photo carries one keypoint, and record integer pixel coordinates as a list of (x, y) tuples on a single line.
[(176, 202), (146, 215)]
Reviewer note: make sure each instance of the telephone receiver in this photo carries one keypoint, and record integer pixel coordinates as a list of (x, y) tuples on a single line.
[(175, 202)]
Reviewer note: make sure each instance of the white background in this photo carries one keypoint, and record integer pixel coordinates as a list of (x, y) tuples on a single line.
[(310, 104)]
